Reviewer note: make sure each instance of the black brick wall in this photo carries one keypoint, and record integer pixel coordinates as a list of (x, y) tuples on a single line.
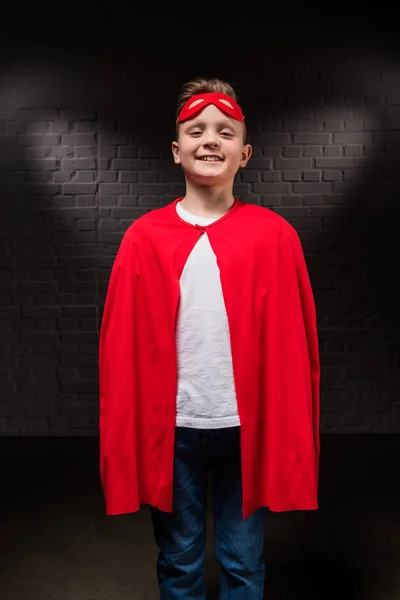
[(82, 156)]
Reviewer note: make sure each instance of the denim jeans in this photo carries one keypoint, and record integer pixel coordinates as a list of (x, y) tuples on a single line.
[(181, 535)]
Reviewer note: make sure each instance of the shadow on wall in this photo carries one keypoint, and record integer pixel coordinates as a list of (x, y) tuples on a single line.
[(48, 228), (348, 233), (30, 356)]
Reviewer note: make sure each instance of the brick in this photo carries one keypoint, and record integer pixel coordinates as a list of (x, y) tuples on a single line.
[(35, 127), (108, 176), (271, 175), (312, 126), (85, 126), (297, 112), (104, 164), (78, 139), (148, 201), (330, 175), (367, 175), (259, 164), (128, 151), (129, 177), (292, 126), (114, 188), (293, 164), (47, 164), (134, 200), (59, 127), (311, 175), (107, 151), (339, 111), (270, 200), (84, 151), (149, 189), (332, 151), (128, 213), (271, 139), (78, 213), (250, 176), (373, 125), (353, 150), (36, 114), (113, 139), (368, 163), (333, 125), (272, 126), (59, 151), (108, 199), (126, 164), (271, 188), (86, 200), (291, 175), (149, 152), (86, 224), (334, 163), (79, 188), (311, 138), (77, 114), (312, 151), (86, 176), (354, 125), (148, 177), (76, 164), (312, 188), (291, 211), (352, 138), (62, 177), (292, 151), (48, 139), (291, 200), (344, 187)]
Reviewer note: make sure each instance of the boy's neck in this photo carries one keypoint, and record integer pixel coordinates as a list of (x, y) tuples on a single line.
[(208, 203)]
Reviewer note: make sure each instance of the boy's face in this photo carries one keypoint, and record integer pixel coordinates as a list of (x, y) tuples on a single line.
[(211, 133)]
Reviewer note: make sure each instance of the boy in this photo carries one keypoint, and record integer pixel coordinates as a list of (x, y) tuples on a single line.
[(209, 360)]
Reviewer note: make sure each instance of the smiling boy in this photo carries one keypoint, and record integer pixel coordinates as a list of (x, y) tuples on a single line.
[(209, 362), (211, 150)]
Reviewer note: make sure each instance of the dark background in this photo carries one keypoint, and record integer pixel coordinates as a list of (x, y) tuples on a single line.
[(87, 111)]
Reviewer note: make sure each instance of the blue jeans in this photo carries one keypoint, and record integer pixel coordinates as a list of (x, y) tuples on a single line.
[(181, 535)]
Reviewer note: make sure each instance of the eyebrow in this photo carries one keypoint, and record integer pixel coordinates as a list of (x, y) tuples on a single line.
[(200, 123)]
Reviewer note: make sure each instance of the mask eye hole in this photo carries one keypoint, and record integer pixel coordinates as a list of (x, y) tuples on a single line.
[(195, 103), (226, 102)]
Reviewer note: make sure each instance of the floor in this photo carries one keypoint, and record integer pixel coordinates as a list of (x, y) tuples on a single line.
[(57, 543)]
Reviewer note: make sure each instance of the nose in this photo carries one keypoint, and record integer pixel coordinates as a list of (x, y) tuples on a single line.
[(210, 140)]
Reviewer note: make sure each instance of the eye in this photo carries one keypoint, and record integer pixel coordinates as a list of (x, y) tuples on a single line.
[(195, 132), (228, 133)]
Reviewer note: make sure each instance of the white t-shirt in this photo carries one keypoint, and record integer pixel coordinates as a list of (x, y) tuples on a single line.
[(206, 396)]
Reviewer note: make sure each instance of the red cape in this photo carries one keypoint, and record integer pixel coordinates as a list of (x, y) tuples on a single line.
[(273, 332)]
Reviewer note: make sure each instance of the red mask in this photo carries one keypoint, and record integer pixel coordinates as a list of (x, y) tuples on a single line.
[(198, 102)]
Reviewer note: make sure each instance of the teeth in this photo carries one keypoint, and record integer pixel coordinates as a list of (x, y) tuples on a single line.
[(211, 158)]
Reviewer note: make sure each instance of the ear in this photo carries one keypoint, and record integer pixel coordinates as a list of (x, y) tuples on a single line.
[(175, 153), (246, 153)]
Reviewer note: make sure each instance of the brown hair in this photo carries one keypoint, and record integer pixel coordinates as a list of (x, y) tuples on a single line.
[(203, 85)]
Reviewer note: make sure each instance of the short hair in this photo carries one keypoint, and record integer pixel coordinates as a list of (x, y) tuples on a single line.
[(204, 85)]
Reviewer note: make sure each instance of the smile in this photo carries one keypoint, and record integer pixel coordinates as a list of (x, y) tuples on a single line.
[(210, 159)]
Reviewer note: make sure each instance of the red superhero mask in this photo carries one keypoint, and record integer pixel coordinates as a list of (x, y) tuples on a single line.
[(198, 102)]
